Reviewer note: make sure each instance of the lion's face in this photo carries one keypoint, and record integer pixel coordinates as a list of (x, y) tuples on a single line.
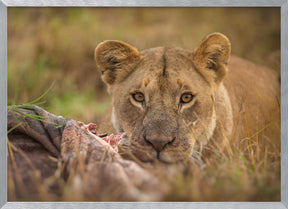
[(163, 106), (161, 98)]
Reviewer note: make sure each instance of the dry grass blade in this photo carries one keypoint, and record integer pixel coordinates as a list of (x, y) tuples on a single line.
[(19, 181), (34, 172), (130, 155), (226, 140), (251, 151), (248, 132)]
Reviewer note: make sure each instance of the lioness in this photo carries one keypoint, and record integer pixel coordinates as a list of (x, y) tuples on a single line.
[(172, 102)]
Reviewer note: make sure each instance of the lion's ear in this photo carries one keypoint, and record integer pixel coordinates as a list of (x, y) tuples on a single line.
[(114, 59), (211, 57)]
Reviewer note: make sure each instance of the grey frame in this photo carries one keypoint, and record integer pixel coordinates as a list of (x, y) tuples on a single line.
[(149, 3)]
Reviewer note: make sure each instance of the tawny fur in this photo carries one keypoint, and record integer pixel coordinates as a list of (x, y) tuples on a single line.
[(232, 99)]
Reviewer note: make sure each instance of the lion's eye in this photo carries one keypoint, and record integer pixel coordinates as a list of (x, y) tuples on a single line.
[(138, 97), (186, 97)]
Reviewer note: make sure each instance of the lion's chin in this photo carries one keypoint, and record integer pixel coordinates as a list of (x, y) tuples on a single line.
[(153, 156), (168, 158), (147, 153)]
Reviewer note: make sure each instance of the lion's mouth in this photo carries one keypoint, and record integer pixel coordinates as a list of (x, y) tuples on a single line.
[(144, 152)]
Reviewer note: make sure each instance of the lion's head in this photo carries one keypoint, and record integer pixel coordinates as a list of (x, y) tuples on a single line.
[(163, 98)]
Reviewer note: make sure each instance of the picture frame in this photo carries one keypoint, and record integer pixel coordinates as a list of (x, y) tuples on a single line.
[(4, 4)]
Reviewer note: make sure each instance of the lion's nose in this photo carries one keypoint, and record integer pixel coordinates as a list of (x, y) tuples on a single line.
[(159, 142)]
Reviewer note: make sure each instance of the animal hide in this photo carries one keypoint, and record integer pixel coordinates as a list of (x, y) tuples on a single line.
[(56, 158)]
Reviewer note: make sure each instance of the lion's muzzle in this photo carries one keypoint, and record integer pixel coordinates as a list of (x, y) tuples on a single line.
[(159, 141)]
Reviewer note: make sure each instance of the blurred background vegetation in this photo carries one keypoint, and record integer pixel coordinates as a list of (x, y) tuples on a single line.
[(56, 46)]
